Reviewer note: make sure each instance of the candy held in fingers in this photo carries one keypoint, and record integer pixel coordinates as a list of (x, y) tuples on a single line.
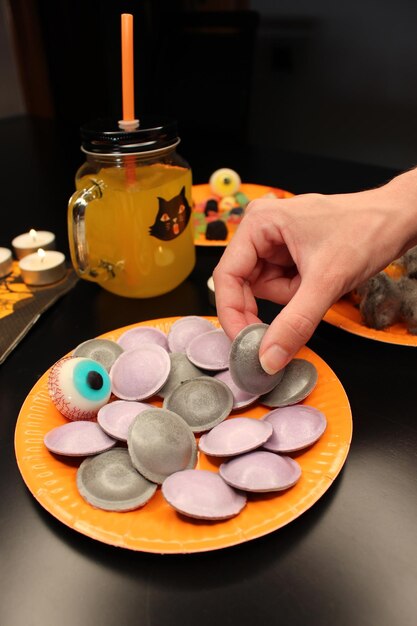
[(203, 495), (109, 481), (245, 367), (261, 471), (78, 387)]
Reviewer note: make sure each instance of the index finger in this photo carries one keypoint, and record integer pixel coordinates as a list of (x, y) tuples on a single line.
[(235, 302)]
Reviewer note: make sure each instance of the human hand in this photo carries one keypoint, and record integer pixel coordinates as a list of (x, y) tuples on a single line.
[(305, 253)]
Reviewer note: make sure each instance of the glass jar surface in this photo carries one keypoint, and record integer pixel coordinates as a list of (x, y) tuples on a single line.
[(129, 222)]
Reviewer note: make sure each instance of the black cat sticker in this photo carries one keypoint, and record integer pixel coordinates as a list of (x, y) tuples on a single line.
[(172, 217)]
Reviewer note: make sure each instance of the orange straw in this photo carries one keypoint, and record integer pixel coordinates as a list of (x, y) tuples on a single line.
[(127, 68), (128, 92)]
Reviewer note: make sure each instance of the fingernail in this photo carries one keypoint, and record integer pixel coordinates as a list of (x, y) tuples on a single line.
[(273, 359)]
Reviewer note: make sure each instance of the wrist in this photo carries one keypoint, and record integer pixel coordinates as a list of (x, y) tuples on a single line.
[(399, 198)]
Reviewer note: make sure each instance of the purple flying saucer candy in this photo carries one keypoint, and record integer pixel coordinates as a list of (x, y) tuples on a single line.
[(202, 494), (241, 398), (245, 367), (202, 402), (161, 443), (104, 351), (300, 378), (141, 335), (181, 370), (295, 427), (185, 329), (116, 417), (261, 471), (235, 436), (140, 373), (81, 438), (109, 481), (210, 350)]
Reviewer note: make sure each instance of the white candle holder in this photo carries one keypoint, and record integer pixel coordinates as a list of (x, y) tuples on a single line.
[(42, 267), (30, 242), (6, 262)]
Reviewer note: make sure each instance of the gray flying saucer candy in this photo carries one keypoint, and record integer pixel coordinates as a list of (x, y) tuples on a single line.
[(210, 350), (235, 436), (109, 481), (185, 329), (104, 351), (140, 373), (245, 367), (300, 378), (181, 370), (241, 398), (141, 335), (116, 417), (161, 443), (261, 471), (203, 495), (295, 427), (202, 402), (80, 438)]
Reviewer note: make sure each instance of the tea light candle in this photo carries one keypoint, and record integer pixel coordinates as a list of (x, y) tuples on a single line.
[(6, 262), (30, 242), (42, 267)]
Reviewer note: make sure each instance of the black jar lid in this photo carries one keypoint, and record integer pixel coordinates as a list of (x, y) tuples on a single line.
[(104, 136)]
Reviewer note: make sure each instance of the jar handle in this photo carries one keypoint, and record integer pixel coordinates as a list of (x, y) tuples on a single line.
[(78, 204)]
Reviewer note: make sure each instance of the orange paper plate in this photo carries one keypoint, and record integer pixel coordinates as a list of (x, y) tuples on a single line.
[(200, 193), (346, 316), (157, 527)]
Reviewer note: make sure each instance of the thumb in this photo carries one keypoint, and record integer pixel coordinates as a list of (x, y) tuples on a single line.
[(292, 328)]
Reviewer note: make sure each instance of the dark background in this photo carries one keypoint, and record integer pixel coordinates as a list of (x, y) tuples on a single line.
[(323, 77)]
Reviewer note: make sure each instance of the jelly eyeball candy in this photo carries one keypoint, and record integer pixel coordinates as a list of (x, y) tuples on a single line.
[(224, 182), (79, 387)]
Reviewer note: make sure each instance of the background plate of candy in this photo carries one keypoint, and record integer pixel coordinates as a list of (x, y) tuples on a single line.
[(219, 206), (389, 300)]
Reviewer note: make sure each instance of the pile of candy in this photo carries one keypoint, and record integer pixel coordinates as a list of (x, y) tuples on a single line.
[(132, 447), (390, 297), (220, 213)]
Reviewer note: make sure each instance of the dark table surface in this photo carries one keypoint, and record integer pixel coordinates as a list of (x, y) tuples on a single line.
[(349, 560)]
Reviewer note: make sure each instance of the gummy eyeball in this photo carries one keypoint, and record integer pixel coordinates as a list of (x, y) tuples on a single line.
[(224, 182), (79, 387)]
